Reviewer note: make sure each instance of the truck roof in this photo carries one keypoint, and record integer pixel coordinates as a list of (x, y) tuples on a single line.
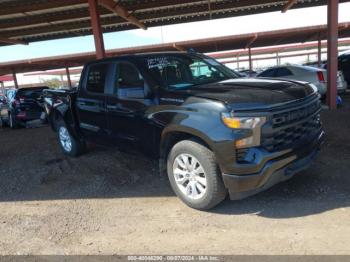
[(148, 54)]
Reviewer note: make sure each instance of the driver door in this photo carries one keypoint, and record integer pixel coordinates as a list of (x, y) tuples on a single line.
[(126, 104)]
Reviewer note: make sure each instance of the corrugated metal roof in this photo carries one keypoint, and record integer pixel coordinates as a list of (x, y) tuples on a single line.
[(36, 20), (224, 43)]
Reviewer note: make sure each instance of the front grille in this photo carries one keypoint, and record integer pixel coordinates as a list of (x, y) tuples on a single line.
[(294, 115), (291, 128)]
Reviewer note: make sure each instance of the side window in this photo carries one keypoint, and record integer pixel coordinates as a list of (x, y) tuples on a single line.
[(97, 78), (200, 69), (129, 80), (268, 73), (283, 72)]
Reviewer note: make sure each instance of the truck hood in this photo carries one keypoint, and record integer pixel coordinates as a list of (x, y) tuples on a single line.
[(257, 91)]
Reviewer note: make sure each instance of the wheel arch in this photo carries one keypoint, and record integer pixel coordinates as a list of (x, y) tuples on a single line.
[(172, 135), (63, 113)]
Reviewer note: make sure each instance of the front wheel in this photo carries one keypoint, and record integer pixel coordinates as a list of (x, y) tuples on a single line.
[(70, 145), (194, 175)]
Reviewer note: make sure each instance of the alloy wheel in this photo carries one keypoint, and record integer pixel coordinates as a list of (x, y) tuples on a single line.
[(65, 139), (189, 176)]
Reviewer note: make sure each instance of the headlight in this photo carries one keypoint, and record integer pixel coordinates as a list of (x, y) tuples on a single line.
[(252, 123)]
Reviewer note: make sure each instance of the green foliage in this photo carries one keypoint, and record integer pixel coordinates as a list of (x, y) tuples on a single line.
[(52, 83)]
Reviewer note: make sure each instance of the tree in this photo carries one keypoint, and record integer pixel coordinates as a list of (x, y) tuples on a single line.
[(53, 83)]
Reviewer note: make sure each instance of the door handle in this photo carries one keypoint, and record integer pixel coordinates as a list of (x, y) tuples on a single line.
[(110, 107)]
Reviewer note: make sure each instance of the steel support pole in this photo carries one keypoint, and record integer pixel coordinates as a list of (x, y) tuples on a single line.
[(96, 29), (68, 77), (332, 53), (15, 78), (319, 50), (250, 60), (278, 61)]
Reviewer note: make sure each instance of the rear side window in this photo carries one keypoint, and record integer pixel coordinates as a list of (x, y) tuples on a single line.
[(268, 73), (97, 78), (283, 72)]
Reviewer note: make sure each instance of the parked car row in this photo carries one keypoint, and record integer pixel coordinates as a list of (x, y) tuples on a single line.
[(313, 75), (343, 65), (22, 105)]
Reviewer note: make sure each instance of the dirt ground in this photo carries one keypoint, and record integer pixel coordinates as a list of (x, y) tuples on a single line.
[(114, 202)]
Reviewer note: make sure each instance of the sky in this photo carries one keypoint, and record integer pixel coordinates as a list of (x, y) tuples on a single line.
[(219, 27)]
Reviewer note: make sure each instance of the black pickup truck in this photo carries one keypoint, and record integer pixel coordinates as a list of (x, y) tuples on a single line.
[(212, 131)]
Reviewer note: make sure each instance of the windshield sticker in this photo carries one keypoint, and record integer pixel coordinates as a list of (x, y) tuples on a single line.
[(211, 62), (157, 62)]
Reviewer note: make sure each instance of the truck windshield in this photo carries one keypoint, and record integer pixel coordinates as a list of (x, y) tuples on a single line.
[(178, 72)]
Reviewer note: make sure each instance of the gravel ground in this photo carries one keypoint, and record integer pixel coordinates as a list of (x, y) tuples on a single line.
[(110, 201)]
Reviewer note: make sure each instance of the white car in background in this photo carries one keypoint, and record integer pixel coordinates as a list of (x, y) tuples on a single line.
[(316, 76)]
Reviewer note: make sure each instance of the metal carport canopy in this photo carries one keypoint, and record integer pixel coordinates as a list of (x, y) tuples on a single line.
[(22, 22), (206, 45)]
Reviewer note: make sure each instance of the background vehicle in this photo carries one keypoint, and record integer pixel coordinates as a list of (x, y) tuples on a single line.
[(248, 73), (2, 109), (344, 66), (25, 104), (316, 76), (212, 132), (2, 100)]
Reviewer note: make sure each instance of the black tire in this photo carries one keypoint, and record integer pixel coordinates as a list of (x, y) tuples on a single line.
[(215, 190), (44, 120), (77, 146), (12, 121)]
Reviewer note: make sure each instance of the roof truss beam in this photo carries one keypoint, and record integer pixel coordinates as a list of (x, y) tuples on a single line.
[(12, 41), (251, 41), (122, 12), (178, 47), (289, 5), (30, 6)]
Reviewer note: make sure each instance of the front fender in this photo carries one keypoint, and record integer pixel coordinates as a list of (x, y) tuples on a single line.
[(201, 122)]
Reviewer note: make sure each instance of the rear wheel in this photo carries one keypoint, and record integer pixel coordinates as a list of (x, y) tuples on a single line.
[(194, 175), (70, 145), (12, 121)]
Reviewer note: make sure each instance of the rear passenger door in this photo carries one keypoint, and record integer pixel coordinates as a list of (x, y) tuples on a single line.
[(91, 102)]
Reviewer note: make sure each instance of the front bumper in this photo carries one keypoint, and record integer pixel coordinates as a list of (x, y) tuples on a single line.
[(274, 171)]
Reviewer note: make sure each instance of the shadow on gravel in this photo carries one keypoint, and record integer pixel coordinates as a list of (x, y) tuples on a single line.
[(32, 167), (305, 194)]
